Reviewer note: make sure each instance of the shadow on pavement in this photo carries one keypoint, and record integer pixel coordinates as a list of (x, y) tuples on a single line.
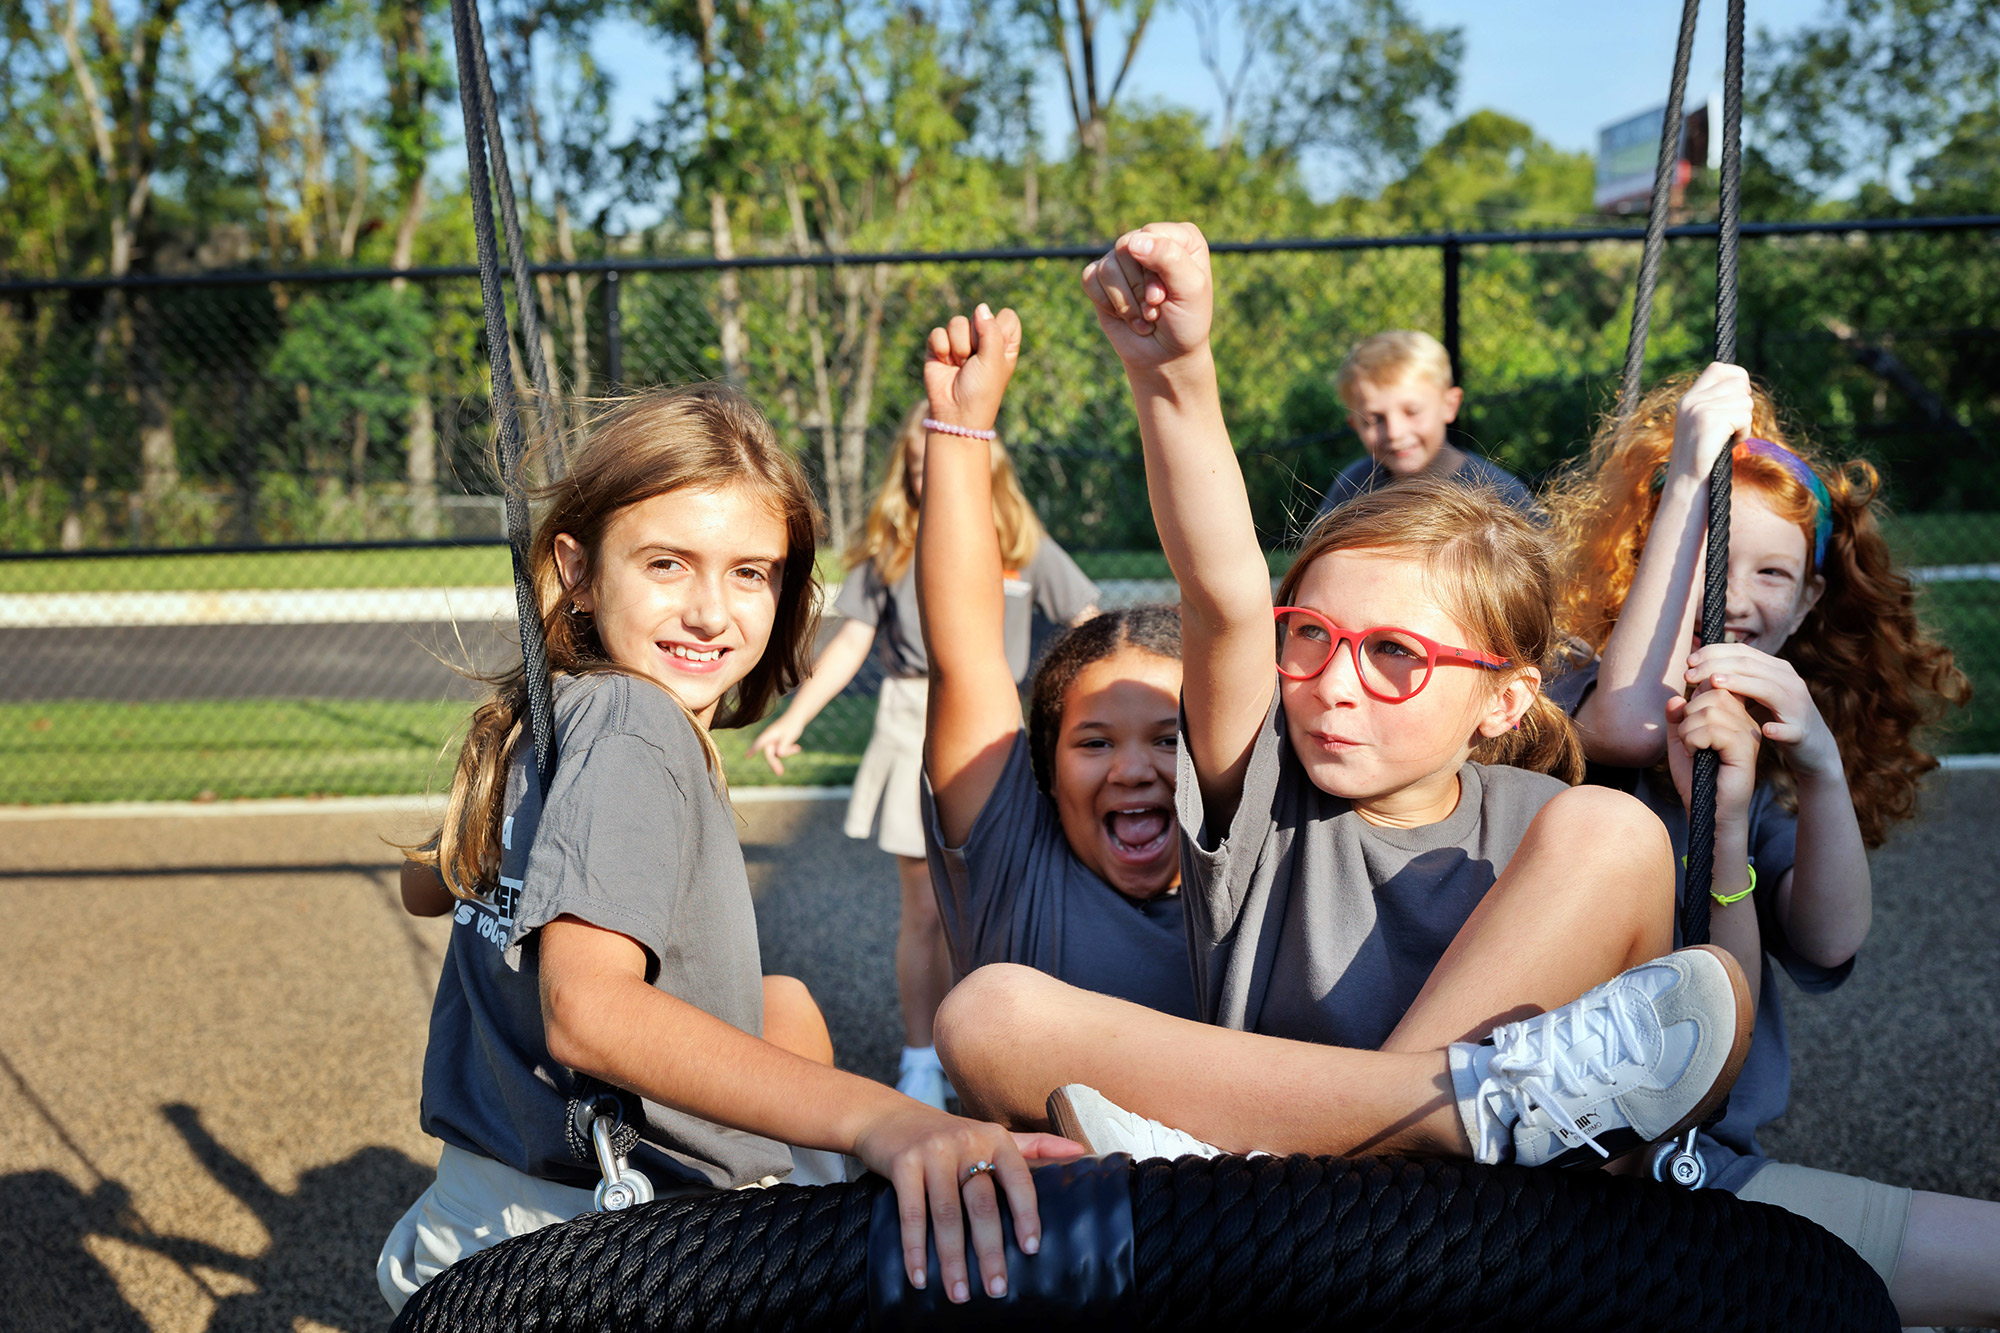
[(318, 1267)]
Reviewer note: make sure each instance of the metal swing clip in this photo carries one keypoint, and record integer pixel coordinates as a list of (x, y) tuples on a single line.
[(1675, 1162), (624, 1186)]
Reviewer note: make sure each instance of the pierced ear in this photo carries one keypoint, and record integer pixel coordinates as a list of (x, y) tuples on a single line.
[(1511, 703)]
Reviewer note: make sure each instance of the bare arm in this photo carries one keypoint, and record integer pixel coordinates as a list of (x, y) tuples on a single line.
[(424, 893), (975, 712), (1826, 902), (837, 664), (1623, 719), (603, 1019), (1717, 720), (1153, 295)]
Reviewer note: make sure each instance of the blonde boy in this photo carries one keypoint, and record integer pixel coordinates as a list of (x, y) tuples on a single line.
[(1400, 400)]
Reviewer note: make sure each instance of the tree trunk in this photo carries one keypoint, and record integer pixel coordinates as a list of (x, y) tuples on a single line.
[(861, 391), (420, 426), (729, 315)]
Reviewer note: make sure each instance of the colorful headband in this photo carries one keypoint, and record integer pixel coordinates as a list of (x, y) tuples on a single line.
[(1803, 474)]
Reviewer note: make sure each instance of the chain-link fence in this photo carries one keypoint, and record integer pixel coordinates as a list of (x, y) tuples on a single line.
[(248, 523)]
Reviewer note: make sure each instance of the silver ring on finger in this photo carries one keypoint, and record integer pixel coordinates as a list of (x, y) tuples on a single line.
[(978, 1168)]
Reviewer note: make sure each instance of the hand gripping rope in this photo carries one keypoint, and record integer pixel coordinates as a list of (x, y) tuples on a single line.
[(1679, 1162), (1234, 1243)]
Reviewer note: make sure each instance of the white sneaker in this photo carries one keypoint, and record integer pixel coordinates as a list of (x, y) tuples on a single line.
[(1641, 1058), (922, 1077), (1084, 1115)]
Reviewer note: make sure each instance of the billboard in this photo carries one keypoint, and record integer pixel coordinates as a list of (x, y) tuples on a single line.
[(1628, 150)]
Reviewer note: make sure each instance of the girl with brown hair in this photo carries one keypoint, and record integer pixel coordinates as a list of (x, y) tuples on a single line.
[(603, 939), (878, 604), (1813, 702), (1372, 884)]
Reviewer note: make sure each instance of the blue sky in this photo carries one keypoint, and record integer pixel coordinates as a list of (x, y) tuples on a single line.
[(1566, 67)]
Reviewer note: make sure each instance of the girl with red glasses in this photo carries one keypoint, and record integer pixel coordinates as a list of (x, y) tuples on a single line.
[(1382, 858)]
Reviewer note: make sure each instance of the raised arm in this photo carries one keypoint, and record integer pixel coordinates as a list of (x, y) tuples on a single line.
[(974, 710), (1644, 661), (1154, 297)]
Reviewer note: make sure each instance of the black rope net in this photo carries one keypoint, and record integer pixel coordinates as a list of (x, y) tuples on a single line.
[(1261, 1245)]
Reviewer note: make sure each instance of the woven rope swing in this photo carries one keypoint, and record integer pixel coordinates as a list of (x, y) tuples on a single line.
[(1263, 1244)]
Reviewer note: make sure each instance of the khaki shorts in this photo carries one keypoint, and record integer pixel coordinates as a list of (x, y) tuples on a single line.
[(1868, 1215), (891, 768), (476, 1203)]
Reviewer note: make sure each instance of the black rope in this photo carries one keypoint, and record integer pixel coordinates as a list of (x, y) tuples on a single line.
[(1259, 1245), (1715, 583), (506, 418), (1664, 170), (547, 437)]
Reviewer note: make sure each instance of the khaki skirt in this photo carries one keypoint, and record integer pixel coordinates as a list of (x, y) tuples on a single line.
[(891, 767)]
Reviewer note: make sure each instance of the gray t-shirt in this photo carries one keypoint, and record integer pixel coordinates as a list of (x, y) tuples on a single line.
[(1016, 893), (1764, 1088), (634, 838), (1051, 584), (1364, 474), (1309, 922)]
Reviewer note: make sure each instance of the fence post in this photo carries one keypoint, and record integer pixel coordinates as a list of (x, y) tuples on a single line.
[(614, 337), (1450, 252)]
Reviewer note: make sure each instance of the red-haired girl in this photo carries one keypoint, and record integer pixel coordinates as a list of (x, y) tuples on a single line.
[(1812, 701)]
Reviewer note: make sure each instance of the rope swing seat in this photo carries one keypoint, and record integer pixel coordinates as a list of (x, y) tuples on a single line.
[(1265, 1243)]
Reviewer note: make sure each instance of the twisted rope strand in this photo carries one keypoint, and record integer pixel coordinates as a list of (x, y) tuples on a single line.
[(1656, 216)]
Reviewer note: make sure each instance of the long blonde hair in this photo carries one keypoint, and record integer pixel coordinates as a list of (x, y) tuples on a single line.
[(647, 444), (1875, 671), (1493, 570), (889, 538)]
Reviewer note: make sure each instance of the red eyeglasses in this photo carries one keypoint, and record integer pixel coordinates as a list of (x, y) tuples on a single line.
[(1392, 664)]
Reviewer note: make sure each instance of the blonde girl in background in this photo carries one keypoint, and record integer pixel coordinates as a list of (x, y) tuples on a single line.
[(1813, 701), (603, 939), (878, 604)]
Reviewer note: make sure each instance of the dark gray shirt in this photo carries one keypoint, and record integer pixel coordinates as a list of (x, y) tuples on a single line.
[(1016, 893), (634, 838), (1051, 584), (1309, 922), (1364, 474), (1764, 1088)]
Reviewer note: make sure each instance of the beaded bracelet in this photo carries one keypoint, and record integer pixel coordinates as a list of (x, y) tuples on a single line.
[(946, 428)]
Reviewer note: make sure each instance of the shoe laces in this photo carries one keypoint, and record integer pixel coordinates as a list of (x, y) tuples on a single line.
[(1568, 1053)]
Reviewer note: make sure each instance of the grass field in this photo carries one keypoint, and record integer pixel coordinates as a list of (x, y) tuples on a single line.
[(224, 749), (230, 749), (1920, 539)]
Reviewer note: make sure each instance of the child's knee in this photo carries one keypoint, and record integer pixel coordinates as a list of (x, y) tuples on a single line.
[(1612, 842), (792, 1019), (991, 1009)]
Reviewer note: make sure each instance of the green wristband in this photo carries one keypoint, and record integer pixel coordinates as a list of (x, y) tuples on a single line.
[(1734, 897)]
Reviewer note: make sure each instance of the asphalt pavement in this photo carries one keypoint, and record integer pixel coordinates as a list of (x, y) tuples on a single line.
[(214, 1026)]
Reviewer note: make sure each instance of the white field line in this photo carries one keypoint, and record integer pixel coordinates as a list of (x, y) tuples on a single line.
[(432, 806), (406, 606)]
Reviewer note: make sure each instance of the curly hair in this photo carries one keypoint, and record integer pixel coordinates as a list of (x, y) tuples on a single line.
[(1152, 628), (1875, 671)]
